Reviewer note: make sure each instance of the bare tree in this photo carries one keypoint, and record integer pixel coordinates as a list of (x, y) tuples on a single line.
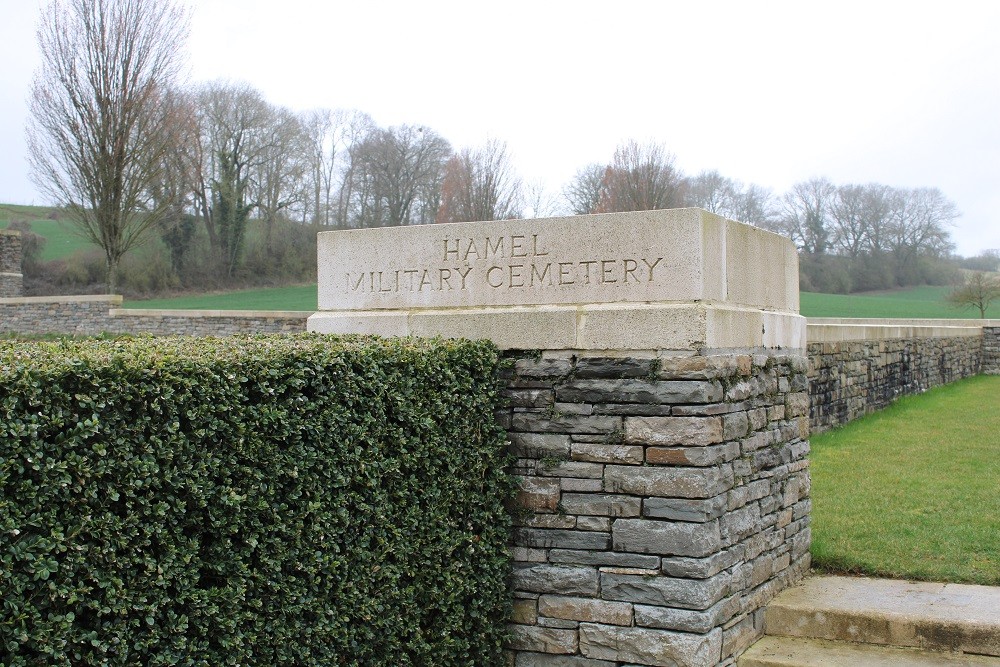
[(480, 184), (715, 193), (235, 133), (398, 174), (918, 226), (848, 218), (805, 210), (329, 136), (98, 130), (979, 291), (278, 176), (857, 217), (586, 190), (540, 202), (641, 177), (357, 130), (754, 205), (172, 191), (712, 191), (987, 260), (321, 154)]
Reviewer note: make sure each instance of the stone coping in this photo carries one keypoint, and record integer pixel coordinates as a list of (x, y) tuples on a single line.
[(680, 326), (111, 299), (837, 333), (114, 303), (903, 322)]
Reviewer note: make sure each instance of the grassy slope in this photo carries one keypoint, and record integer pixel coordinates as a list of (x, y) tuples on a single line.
[(911, 491), (61, 239)]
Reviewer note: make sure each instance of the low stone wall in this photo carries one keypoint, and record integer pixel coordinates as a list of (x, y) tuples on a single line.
[(93, 315), (11, 280), (208, 322), (856, 365), (991, 350), (859, 366), (663, 503)]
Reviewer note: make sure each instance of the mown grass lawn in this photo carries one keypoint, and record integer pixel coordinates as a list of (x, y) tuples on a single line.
[(297, 297), (918, 302), (913, 491), (915, 302)]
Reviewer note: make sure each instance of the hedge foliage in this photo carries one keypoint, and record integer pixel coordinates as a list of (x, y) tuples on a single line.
[(287, 500)]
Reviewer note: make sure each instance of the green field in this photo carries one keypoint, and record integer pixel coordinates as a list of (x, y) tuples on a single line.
[(918, 302), (298, 297), (911, 491), (915, 302), (61, 240)]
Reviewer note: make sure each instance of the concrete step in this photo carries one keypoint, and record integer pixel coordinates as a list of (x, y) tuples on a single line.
[(802, 652), (936, 617)]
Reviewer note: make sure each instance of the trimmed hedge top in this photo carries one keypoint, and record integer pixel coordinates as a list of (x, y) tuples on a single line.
[(266, 500)]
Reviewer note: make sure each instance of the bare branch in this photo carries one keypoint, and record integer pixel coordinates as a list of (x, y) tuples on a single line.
[(100, 126), (480, 184)]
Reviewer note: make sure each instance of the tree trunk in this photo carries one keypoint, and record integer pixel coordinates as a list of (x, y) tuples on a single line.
[(112, 279)]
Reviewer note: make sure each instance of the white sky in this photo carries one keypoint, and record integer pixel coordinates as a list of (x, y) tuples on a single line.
[(901, 93)]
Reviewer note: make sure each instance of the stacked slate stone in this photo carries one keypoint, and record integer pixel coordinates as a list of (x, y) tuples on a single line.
[(663, 502), (94, 315), (991, 350), (11, 280), (850, 379)]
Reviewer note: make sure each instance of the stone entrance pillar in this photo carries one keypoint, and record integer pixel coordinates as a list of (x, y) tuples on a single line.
[(11, 280), (658, 413)]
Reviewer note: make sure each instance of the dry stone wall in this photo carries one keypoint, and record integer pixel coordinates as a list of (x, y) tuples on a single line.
[(11, 280), (850, 379), (663, 502), (991, 350), (94, 315), (164, 323)]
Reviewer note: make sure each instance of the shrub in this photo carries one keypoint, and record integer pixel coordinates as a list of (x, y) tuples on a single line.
[(288, 253), (824, 273), (294, 500), (147, 271)]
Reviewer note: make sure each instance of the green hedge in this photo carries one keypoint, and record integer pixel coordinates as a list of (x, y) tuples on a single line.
[(287, 500)]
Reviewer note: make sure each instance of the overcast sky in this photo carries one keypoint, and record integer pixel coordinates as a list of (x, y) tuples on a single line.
[(901, 93)]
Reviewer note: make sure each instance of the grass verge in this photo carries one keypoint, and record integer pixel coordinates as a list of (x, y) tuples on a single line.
[(912, 491), (919, 302), (297, 297)]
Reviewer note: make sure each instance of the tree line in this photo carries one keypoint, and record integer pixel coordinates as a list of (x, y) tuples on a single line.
[(851, 237), (129, 151)]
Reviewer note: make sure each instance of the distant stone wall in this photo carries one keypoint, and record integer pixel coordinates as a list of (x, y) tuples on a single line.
[(870, 366), (208, 323), (93, 315), (663, 502), (11, 280), (991, 350)]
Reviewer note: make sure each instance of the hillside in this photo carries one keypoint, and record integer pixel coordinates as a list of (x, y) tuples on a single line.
[(49, 222)]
